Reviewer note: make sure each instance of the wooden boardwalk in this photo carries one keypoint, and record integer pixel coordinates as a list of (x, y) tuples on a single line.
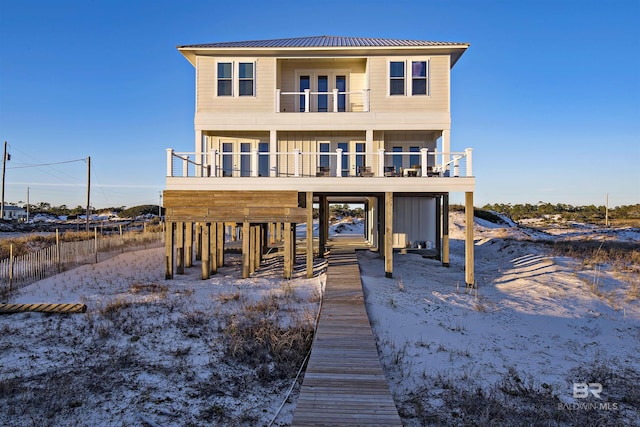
[(344, 384)]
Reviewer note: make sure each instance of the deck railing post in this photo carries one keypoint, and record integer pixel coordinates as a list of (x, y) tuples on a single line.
[(204, 171), (185, 166), (278, 93), (468, 152), (254, 162), (456, 165), (339, 162), (424, 162), (296, 162), (307, 100), (381, 162), (169, 161), (365, 100), (213, 162), (335, 100)]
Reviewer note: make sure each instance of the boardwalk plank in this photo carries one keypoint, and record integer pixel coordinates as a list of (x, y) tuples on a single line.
[(344, 384)]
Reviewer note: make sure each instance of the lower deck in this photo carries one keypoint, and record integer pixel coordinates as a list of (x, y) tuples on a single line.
[(393, 221)]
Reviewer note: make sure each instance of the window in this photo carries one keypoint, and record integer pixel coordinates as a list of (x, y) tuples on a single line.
[(225, 79), (236, 79), (323, 100), (227, 159), (397, 158), (414, 159), (245, 159), (409, 78), (341, 85), (245, 79), (263, 159), (396, 78), (419, 78), (324, 158), (305, 83), (344, 167)]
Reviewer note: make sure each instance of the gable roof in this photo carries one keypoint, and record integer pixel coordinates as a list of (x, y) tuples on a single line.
[(354, 45), (324, 41)]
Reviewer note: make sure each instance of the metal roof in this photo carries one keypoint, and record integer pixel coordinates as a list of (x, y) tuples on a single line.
[(323, 41)]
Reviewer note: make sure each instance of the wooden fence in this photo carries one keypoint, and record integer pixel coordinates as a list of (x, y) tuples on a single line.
[(19, 271)]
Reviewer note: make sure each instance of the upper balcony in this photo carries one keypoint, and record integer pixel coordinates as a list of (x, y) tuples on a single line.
[(335, 101), (337, 171)]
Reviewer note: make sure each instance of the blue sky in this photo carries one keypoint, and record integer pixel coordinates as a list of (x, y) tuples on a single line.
[(548, 94)]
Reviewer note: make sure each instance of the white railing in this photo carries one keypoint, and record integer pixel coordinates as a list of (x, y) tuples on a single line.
[(423, 163), (334, 101)]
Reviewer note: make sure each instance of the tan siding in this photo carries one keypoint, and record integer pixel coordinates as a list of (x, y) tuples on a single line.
[(205, 83), (206, 87), (438, 100)]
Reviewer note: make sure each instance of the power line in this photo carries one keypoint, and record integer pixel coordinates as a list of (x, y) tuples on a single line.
[(47, 164)]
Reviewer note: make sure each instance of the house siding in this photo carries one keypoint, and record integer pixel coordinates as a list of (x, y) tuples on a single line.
[(207, 100), (437, 100)]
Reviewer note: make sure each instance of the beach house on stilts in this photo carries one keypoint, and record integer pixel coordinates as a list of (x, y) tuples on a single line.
[(283, 125)]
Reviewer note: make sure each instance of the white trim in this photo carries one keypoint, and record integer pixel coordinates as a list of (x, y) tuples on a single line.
[(408, 75), (253, 63), (235, 76), (217, 79)]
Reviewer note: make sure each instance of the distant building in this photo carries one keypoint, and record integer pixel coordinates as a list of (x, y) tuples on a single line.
[(14, 212)]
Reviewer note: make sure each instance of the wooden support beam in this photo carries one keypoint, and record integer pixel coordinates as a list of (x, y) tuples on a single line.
[(278, 231), (272, 233), (168, 250), (445, 230), (388, 234), (294, 247), (322, 226), (204, 235), (288, 265), (309, 234), (367, 235), (246, 248), (180, 247), (468, 246), (212, 247), (188, 245), (198, 241), (220, 236), (257, 239), (252, 249), (438, 200)]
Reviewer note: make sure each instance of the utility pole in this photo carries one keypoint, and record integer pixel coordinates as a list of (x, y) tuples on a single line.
[(88, 190), (27, 204), (5, 157)]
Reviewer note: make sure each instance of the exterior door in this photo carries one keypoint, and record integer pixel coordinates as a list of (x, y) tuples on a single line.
[(236, 157), (321, 86)]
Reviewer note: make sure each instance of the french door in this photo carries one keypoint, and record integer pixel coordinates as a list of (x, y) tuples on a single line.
[(322, 85), (236, 157), (353, 157)]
